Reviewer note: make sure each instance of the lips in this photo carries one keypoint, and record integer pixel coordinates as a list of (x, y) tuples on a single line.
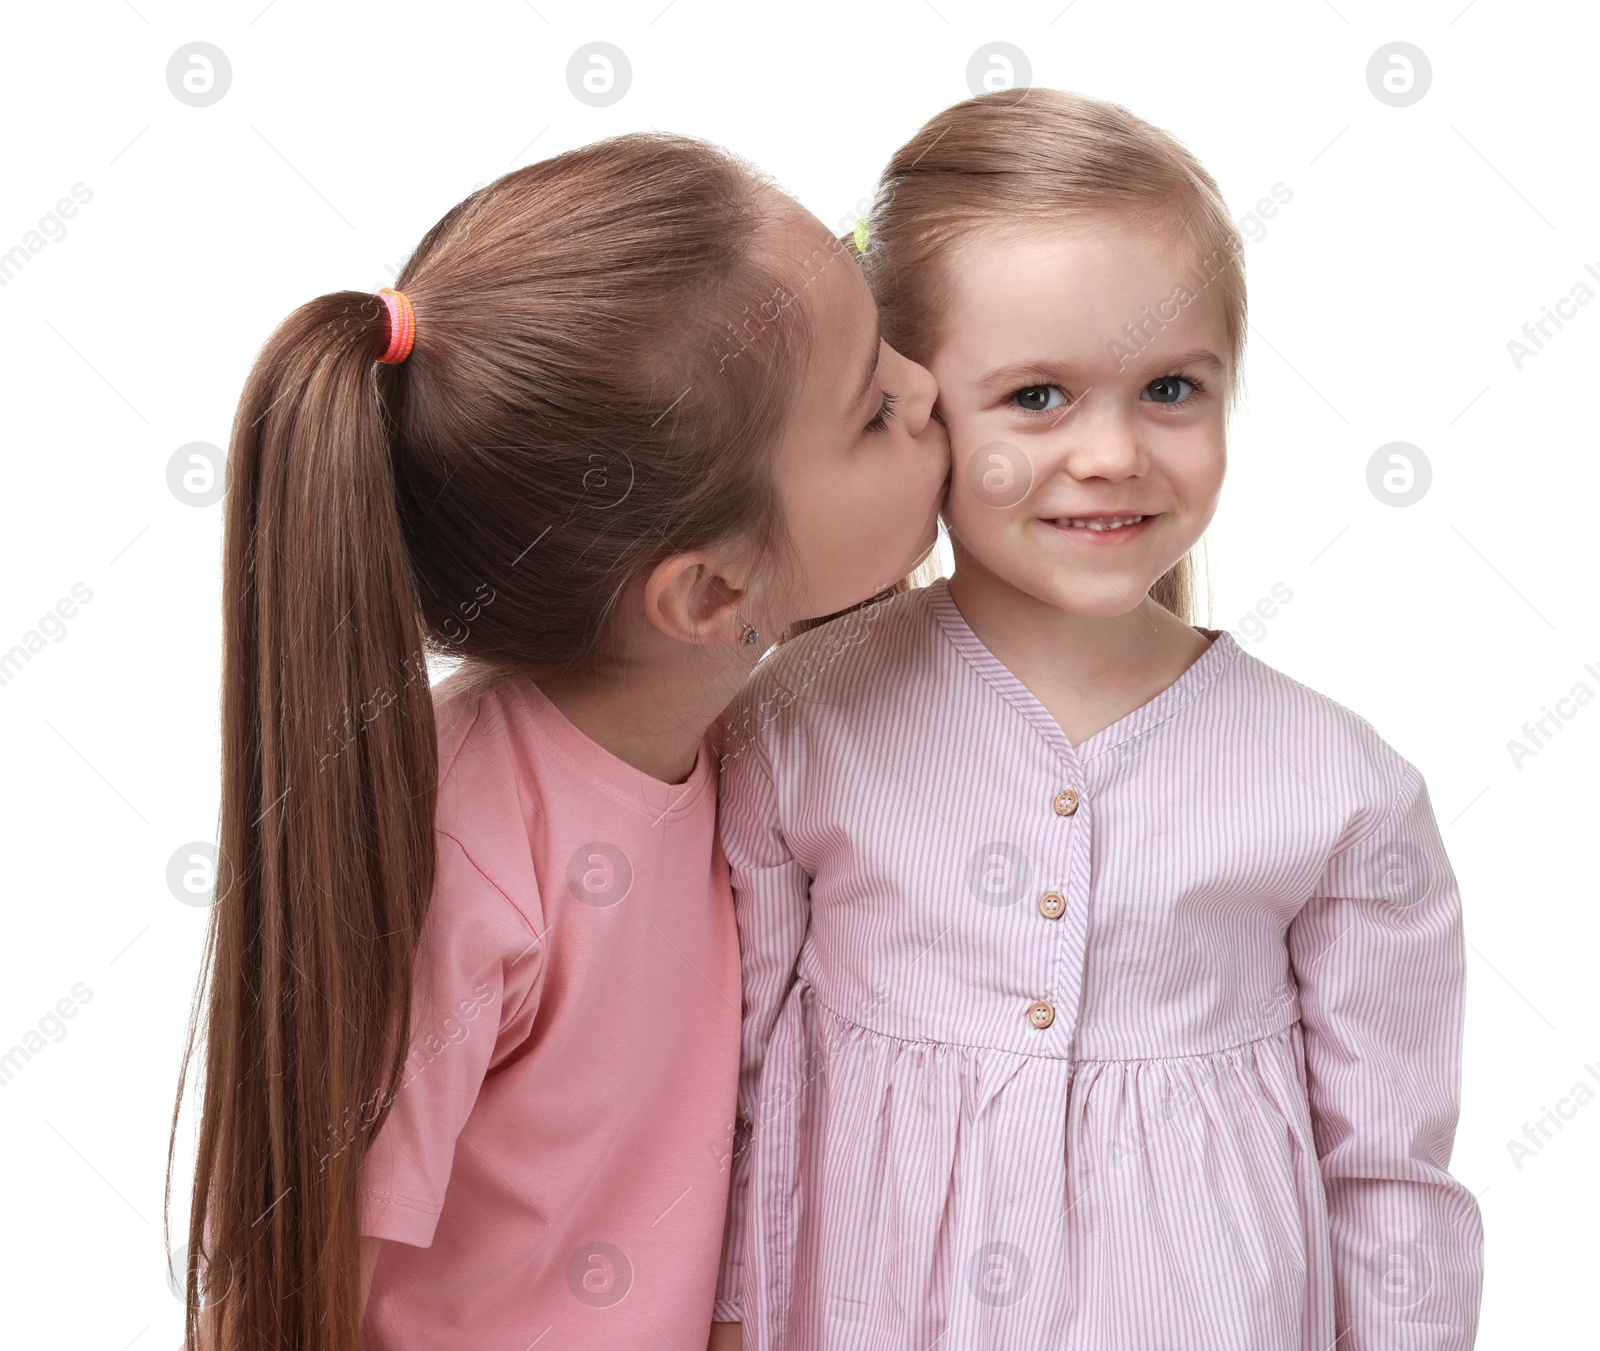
[(1098, 517), (1099, 522), (1101, 527)]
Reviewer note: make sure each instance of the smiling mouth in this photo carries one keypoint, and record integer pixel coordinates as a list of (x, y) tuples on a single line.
[(1104, 523)]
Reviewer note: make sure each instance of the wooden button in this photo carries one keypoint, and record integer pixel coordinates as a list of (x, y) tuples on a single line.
[(1052, 905), (1040, 1014), (1066, 802)]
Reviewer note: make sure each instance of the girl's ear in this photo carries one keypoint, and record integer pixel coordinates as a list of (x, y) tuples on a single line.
[(697, 597)]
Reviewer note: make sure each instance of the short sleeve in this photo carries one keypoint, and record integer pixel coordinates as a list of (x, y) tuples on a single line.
[(478, 971), (1379, 956)]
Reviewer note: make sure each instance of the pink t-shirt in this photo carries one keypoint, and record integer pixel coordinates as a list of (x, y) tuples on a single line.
[(554, 1170)]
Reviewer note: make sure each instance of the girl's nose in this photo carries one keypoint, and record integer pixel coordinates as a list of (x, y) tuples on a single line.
[(1102, 446), (921, 389)]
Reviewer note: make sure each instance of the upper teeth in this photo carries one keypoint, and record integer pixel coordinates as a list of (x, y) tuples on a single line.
[(1103, 522)]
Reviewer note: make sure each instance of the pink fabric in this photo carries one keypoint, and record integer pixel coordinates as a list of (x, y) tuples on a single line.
[(554, 1170), (1235, 1128)]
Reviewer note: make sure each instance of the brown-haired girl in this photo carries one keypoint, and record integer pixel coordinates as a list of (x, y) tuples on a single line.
[(473, 1005), (1103, 985)]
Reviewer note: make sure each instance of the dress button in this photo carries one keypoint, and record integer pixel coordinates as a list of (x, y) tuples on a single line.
[(1052, 904), (1066, 802), (1040, 1014)]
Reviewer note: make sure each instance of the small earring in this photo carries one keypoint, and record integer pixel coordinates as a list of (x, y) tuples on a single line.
[(750, 635)]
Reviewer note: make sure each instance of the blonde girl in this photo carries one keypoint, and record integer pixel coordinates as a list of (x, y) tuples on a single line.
[(1103, 984)]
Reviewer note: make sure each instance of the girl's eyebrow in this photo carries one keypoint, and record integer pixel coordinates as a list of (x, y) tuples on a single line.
[(1199, 356), (1014, 372), (1031, 368)]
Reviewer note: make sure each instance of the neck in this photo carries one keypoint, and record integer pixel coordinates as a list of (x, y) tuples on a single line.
[(1047, 647), (652, 712)]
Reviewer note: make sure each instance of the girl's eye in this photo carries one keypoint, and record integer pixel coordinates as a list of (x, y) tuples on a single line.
[(1169, 389), (885, 412), (1040, 398)]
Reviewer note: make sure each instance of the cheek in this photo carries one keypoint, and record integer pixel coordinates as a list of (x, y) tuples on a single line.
[(994, 472), (983, 505), (1197, 463), (850, 517), (1189, 458), (969, 458)]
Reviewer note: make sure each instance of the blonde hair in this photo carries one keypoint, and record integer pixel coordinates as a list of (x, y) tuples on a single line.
[(1004, 162)]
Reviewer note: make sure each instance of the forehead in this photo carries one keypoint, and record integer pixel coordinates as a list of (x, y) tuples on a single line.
[(1073, 291), (828, 288)]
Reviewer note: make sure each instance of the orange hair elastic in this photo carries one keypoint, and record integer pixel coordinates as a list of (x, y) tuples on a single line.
[(402, 325)]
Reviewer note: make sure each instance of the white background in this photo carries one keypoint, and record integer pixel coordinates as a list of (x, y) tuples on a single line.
[(1417, 242)]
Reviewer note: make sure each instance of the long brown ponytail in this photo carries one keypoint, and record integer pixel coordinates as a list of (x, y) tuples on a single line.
[(583, 397)]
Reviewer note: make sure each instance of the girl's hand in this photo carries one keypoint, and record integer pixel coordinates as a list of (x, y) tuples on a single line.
[(726, 1337)]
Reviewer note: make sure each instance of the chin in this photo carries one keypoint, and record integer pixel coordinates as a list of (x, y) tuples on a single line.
[(1085, 595), (1099, 604), (921, 556)]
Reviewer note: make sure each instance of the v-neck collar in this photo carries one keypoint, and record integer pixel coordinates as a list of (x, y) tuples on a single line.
[(1200, 673)]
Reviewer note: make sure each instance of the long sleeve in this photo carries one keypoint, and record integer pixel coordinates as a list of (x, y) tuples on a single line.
[(772, 902), (1379, 956)]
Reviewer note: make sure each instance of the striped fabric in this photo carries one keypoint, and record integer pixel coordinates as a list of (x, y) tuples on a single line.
[(1146, 1044)]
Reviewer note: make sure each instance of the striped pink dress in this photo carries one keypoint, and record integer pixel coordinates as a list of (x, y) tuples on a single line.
[(1146, 1044)]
